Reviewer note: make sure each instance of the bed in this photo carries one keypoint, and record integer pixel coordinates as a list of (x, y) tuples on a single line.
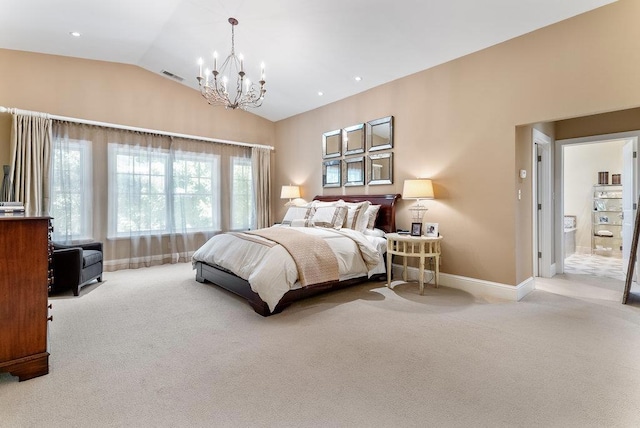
[(224, 277)]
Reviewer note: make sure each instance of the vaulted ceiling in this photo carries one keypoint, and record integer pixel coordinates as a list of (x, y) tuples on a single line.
[(307, 46)]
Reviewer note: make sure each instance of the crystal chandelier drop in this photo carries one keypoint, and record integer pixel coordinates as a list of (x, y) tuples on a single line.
[(217, 86)]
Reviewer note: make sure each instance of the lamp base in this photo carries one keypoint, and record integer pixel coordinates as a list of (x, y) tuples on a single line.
[(417, 213)]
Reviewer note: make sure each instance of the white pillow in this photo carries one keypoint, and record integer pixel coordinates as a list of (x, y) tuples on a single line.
[(338, 203), (297, 213), (374, 232), (357, 218), (372, 215), (329, 216)]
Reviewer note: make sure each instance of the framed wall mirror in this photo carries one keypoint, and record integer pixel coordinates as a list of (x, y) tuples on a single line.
[(380, 168), (353, 139), (354, 171), (331, 173), (380, 134), (332, 144)]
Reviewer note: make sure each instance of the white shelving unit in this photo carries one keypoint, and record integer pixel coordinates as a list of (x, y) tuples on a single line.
[(606, 220)]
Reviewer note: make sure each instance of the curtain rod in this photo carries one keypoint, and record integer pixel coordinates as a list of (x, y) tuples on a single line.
[(128, 128)]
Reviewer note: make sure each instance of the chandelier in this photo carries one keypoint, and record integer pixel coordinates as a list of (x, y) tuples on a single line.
[(217, 86)]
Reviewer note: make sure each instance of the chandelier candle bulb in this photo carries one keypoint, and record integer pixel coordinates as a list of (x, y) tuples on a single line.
[(200, 67), (215, 60)]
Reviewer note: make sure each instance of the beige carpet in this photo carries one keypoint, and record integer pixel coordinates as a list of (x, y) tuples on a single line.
[(153, 348)]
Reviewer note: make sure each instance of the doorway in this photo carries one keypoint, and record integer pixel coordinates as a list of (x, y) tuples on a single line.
[(596, 180), (592, 204)]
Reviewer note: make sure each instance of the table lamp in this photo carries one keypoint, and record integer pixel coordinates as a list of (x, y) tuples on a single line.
[(290, 192), (419, 189)]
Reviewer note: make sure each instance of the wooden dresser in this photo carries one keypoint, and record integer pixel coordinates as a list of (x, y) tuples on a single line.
[(25, 278)]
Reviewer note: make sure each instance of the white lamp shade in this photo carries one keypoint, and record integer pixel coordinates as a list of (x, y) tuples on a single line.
[(290, 192), (420, 188)]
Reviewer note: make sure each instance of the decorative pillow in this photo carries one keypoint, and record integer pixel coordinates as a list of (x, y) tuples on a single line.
[(297, 213), (329, 216), (357, 215), (301, 223), (372, 215)]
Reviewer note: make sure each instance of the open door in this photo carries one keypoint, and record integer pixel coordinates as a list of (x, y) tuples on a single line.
[(629, 192), (544, 207)]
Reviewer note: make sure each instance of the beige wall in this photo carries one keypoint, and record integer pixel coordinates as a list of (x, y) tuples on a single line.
[(598, 124), (457, 123)]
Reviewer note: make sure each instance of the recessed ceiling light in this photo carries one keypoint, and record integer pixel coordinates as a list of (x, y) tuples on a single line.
[(358, 78), (320, 93), (74, 33)]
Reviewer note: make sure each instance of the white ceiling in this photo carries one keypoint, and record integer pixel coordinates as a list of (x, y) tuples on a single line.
[(307, 46)]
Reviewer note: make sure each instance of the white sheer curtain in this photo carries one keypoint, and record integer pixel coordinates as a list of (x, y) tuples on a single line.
[(155, 198), (31, 160), (71, 183)]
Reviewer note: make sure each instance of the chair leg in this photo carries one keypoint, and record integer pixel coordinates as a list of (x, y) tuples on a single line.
[(100, 278), (76, 290)]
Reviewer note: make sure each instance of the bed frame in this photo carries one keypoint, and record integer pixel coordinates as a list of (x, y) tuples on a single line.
[(221, 277)]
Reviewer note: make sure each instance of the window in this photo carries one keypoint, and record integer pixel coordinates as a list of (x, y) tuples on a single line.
[(196, 190), (154, 194), (71, 190), (139, 178), (242, 210)]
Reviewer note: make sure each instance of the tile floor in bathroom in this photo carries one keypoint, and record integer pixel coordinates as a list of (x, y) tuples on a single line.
[(593, 264)]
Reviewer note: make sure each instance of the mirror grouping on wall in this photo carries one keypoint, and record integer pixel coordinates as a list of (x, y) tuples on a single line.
[(358, 154)]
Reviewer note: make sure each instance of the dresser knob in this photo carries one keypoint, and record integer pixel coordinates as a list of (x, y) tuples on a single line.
[(50, 318), (50, 306)]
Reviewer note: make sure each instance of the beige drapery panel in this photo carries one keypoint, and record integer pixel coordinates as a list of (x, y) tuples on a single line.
[(261, 167), (31, 161)]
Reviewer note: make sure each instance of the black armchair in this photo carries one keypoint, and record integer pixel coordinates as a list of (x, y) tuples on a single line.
[(74, 266)]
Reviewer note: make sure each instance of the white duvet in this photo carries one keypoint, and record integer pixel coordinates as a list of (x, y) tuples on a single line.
[(271, 271)]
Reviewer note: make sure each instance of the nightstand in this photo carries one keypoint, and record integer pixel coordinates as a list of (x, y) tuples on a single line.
[(422, 247)]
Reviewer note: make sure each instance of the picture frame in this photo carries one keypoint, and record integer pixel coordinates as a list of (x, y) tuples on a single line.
[(416, 229), (431, 230)]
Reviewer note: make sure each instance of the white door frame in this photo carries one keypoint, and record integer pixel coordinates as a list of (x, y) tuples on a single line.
[(543, 263), (559, 182), (629, 192)]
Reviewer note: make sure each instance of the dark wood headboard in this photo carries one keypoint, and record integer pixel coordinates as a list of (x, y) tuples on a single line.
[(386, 216)]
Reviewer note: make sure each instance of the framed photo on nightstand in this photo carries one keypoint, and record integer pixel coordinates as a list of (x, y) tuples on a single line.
[(416, 229), (431, 229)]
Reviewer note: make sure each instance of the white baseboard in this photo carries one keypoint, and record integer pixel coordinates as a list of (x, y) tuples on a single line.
[(473, 286)]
